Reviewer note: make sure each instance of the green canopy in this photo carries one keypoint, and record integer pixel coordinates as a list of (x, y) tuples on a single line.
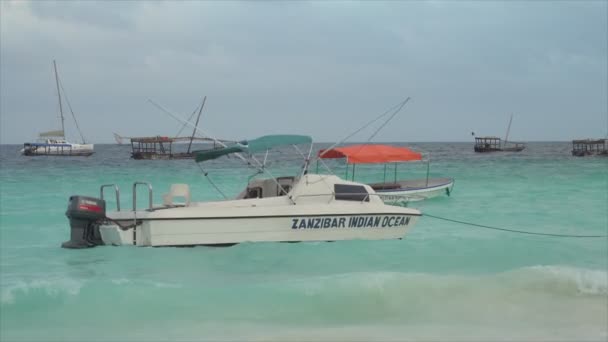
[(254, 146), (269, 141), (216, 153)]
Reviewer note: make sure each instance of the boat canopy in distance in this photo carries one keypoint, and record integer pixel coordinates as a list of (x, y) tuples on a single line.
[(253, 146), (53, 134), (162, 139), (371, 154)]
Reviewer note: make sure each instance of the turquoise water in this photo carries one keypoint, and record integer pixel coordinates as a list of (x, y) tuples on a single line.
[(444, 281)]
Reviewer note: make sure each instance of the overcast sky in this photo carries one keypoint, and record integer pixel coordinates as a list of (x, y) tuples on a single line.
[(317, 68)]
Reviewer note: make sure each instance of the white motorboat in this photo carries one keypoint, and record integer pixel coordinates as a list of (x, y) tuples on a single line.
[(413, 189), (306, 207), (57, 146), (54, 143), (392, 190)]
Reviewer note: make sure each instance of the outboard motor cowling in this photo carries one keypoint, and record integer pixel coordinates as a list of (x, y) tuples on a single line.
[(84, 214)]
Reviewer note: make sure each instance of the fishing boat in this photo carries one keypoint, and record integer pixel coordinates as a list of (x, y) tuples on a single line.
[(302, 207), (590, 147), (162, 147), (54, 143), (496, 144), (392, 190)]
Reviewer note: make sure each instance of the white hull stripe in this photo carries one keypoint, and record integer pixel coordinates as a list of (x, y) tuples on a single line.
[(264, 216)]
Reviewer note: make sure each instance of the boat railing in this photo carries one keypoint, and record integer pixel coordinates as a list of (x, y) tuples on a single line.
[(116, 191), (150, 206)]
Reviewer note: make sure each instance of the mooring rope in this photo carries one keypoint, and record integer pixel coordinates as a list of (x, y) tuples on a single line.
[(512, 230)]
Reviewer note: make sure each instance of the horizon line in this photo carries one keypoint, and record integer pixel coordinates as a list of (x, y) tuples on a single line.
[(359, 142)]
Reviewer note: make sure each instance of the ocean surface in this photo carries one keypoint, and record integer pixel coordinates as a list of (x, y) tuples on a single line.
[(443, 282)]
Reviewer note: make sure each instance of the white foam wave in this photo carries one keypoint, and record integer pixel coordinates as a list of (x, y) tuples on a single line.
[(120, 281), (51, 287), (563, 280), (166, 285), (587, 281)]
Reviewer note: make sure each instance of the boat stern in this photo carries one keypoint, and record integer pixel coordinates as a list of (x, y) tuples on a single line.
[(85, 214), (113, 235)]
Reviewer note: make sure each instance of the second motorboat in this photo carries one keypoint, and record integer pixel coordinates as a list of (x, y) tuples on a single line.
[(393, 189)]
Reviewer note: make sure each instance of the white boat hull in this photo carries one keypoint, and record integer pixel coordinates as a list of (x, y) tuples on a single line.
[(58, 150), (293, 228), (416, 190), (316, 208)]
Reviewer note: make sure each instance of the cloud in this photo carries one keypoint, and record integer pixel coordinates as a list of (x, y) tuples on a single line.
[(117, 15), (320, 68)]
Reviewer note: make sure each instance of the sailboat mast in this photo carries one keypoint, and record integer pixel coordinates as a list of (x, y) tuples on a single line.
[(508, 129), (59, 96), (196, 124)]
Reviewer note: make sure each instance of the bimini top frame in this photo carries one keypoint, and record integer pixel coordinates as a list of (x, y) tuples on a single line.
[(249, 147), (374, 154)]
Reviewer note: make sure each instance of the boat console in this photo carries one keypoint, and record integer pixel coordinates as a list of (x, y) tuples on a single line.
[(265, 188)]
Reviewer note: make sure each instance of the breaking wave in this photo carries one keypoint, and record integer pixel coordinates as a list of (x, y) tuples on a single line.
[(554, 280), (545, 301)]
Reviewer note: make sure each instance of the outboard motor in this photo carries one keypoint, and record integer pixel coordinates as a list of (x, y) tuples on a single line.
[(84, 214)]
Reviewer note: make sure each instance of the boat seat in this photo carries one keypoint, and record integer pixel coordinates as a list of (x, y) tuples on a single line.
[(177, 190), (284, 185), (255, 192)]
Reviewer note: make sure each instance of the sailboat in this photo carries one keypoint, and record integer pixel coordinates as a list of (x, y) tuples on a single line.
[(495, 144), (54, 143)]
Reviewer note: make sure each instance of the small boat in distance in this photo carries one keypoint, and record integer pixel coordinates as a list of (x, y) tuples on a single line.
[(495, 144), (301, 207), (392, 190), (54, 143), (590, 147), (162, 148)]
